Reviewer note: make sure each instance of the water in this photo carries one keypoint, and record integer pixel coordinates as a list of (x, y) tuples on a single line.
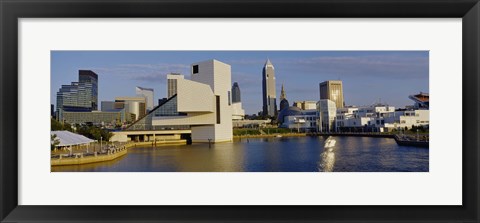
[(295, 154)]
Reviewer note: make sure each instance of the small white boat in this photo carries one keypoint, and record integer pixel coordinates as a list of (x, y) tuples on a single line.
[(330, 142), (278, 136)]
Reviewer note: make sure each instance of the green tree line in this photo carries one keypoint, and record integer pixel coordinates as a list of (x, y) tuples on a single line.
[(89, 131)]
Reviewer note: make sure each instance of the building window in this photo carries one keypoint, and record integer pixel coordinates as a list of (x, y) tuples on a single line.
[(229, 99), (218, 109), (195, 69)]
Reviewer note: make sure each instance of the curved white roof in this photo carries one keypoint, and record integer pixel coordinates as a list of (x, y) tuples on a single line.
[(67, 138)]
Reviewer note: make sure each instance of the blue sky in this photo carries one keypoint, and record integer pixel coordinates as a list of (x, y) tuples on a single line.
[(368, 76)]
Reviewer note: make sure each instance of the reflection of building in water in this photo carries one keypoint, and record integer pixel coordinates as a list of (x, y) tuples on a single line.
[(327, 157), (333, 90), (202, 104)]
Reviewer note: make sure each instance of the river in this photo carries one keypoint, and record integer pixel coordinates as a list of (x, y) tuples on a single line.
[(286, 154)]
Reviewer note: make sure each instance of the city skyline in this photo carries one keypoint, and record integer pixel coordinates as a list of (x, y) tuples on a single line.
[(368, 76)]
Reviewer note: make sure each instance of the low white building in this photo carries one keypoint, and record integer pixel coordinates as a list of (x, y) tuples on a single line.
[(238, 113), (298, 119), (408, 118), (379, 118)]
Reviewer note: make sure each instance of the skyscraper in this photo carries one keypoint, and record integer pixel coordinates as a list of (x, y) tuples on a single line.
[(172, 84), (147, 93), (91, 92), (268, 86), (236, 93), (237, 111), (79, 96), (333, 90)]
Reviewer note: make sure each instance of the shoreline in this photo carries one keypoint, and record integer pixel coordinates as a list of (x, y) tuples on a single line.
[(81, 159), (269, 136)]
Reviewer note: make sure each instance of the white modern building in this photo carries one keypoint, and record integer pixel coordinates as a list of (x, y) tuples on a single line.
[(298, 119), (238, 113), (379, 118), (408, 118), (202, 104), (147, 93), (326, 114)]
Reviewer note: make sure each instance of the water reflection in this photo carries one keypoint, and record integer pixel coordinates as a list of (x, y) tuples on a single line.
[(296, 154), (327, 157)]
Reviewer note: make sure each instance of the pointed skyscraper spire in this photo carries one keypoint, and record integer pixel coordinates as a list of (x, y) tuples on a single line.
[(269, 92), (268, 62), (282, 94)]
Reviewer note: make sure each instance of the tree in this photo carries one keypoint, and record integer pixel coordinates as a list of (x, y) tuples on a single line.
[(56, 125), (54, 141)]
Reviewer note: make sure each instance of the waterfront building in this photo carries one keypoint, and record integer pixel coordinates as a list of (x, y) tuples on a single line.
[(298, 119), (364, 119), (407, 119), (81, 94), (113, 117), (305, 105), (107, 105), (172, 83), (326, 114), (247, 123), (147, 93), (421, 100), (202, 104), (269, 92), (132, 105), (333, 90), (379, 118)]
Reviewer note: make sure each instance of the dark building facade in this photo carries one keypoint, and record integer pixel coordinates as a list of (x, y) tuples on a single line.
[(236, 93), (88, 76), (79, 96), (283, 100)]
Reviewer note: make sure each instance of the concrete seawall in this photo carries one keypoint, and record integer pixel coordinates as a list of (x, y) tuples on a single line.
[(88, 159), (398, 139), (108, 157), (359, 134)]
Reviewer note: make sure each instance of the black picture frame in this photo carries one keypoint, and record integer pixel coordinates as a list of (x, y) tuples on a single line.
[(11, 11)]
